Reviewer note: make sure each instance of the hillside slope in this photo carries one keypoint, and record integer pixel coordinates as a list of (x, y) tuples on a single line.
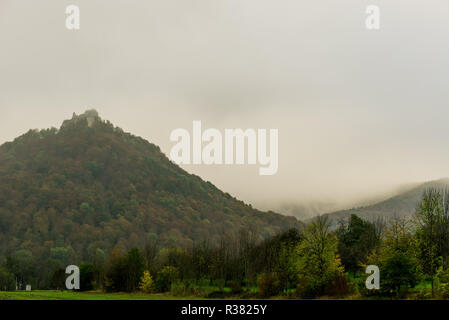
[(89, 186), (402, 205)]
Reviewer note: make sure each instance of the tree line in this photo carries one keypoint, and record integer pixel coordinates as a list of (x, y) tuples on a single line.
[(412, 255)]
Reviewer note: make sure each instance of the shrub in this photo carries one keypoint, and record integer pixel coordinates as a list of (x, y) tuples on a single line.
[(402, 292), (443, 275), (178, 288), (442, 283), (444, 291), (183, 288), (364, 292), (236, 287), (269, 285), (203, 282), (336, 284), (166, 277), (216, 295), (309, 288), (424, 294), (220, 283), (339, 286)]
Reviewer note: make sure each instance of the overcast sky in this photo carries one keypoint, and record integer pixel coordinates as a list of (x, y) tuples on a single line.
[(358, 112)]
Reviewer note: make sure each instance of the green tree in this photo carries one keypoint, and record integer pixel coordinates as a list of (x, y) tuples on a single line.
[(432, 232), (87, 276), (396, 259), (355, 241), (134, 268), (7, 282), (57, 280), (166, 277), (277, 255), (123, 273), (115, 272), (318, 262), (22, 265)]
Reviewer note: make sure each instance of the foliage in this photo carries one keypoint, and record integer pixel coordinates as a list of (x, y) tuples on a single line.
[(22, 265), (87, 276), (124, 271), (442, 283), (166, 277), (356, 241), (432, 232), (278, 255), (318, 262), (424, 294), (396, 260), (83, 193), (7, 282), (146, 282), (269, 285), (134, 265), (398, 270), (57, 281), (236, 287), (67, 193)]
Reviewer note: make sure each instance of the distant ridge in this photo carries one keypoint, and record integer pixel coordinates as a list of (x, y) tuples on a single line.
[(400, 206)]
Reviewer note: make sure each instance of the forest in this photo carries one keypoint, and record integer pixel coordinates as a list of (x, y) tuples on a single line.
[(75, 193), (91, 195), (313, 262)]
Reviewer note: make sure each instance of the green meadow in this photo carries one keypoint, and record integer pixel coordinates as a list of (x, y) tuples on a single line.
[(70, 295)]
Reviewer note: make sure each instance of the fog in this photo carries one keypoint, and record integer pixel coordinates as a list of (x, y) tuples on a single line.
[(359, 112)]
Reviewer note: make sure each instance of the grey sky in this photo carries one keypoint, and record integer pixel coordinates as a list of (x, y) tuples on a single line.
[(358, 111)]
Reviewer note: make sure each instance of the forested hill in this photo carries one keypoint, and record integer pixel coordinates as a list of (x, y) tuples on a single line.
[(89, 187)]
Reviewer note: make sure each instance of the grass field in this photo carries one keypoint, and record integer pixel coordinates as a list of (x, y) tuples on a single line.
[(99, 295), (70, 295)]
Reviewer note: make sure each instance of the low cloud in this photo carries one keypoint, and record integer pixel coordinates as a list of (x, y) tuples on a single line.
[(358, 112)]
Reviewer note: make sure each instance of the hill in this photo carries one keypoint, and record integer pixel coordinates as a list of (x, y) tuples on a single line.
[(401, 205), (89, 187)]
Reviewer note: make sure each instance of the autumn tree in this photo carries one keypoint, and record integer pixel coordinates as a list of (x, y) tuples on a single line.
[(146, 282)]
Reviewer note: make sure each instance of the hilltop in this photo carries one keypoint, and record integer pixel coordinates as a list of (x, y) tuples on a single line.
[(88, 187)]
